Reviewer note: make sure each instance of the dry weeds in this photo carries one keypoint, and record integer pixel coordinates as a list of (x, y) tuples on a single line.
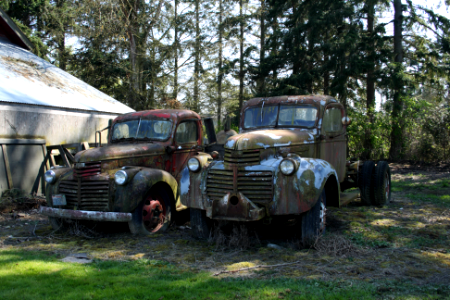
[(336, 245), (335, 256)]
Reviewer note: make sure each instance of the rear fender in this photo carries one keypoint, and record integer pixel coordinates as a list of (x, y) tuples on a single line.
[(299, 192), (128, 196)]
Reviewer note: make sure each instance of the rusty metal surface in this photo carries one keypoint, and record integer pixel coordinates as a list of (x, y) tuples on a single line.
[(250, 171), (235, 208), (89, 186), (127, 197), (85, 215)]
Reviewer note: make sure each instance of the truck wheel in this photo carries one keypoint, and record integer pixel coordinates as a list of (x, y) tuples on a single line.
[(313, 221), (57, 224), (200, 224), (152, 215), (366, 182), (382, 190)]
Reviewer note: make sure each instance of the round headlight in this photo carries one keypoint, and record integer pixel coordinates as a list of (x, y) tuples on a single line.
[(193, 164), (50, 176), (121, 177), (287, 167)]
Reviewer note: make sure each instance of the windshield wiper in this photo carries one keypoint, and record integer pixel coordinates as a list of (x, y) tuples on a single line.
[(145, 139), (123, 139)]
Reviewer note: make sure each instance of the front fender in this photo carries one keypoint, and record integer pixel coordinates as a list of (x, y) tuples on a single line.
[(299, 192), (127, 197), (191, 183)]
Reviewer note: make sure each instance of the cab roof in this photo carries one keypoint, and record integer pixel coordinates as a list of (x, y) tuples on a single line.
[(173, 114), (321, 100)]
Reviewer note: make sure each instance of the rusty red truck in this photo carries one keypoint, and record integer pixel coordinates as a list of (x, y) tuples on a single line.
[(288, 161), (134, 179)]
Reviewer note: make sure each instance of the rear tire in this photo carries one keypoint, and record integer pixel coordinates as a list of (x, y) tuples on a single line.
[(200, 224), (382, 190), (314, 221), (152, 215), (366, 182)]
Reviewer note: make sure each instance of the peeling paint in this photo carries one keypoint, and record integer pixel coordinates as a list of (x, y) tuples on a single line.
[(146, 162), (250, 175)]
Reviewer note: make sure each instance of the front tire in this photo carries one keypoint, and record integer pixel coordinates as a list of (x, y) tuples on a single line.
[(200, 224), (382, 189), (152, 215), (313, 221)]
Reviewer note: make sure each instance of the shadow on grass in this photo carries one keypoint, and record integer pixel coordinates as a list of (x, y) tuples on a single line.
[(30, 275)]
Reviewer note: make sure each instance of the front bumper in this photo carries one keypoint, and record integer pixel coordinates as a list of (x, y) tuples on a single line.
[(85, 215), (242, 209)]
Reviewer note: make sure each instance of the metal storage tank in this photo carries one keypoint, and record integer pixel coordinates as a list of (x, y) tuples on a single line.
[(40, 105)]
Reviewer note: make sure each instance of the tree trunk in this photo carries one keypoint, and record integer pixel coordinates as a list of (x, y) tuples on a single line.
[(196, 107), (370, 101), (241, 57), (396, 149), (220, 75), (260, 83), (274, 54), (61, 40), (176, 46)]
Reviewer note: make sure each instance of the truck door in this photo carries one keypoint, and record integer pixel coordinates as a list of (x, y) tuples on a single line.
[(333, 147), (186, 138)]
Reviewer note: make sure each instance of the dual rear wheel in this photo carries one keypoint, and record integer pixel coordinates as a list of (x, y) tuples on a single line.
[(375, 183)]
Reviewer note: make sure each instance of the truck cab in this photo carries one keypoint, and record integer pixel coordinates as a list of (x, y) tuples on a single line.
[(289, 159), (134, 179)]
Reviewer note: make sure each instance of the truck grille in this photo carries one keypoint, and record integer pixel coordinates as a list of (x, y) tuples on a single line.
[(93, 196), (256, 186), (87, 169), (250, 157)]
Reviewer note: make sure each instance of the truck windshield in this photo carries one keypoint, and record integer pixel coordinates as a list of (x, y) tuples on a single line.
[(292, 115), (142, 129), (289, 115), (261, 116)]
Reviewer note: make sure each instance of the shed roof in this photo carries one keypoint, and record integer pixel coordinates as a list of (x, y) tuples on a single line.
[(10, 30), (27, 79)]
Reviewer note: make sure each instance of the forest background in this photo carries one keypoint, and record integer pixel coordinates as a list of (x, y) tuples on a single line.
[(211, 55)]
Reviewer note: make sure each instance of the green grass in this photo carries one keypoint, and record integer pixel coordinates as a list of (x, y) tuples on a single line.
[(420, 184), (38, 275)]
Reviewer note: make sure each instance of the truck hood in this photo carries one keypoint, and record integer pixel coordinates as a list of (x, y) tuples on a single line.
[(271, 138), (119, 151)]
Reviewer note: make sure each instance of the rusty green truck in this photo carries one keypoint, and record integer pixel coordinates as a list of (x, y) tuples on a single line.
[(289, 161)]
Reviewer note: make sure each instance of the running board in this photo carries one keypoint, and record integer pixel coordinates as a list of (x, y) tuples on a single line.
[(348, 197)]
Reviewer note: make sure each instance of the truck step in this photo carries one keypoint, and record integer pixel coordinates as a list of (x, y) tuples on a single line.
[(348, 197)]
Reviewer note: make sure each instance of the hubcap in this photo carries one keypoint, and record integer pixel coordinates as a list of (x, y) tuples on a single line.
[(153, 214)]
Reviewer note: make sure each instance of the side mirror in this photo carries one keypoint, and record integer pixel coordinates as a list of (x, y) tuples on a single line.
[(210, 132), (346, 121)]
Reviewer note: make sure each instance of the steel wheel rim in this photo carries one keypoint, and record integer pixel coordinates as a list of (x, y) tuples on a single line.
[(153, 213)]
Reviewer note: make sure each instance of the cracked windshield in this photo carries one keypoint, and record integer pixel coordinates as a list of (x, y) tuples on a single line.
[(261, 116), (142, 129), (303, 116)]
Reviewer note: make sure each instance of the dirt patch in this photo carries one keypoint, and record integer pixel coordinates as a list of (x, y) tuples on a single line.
[(405, 240)]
